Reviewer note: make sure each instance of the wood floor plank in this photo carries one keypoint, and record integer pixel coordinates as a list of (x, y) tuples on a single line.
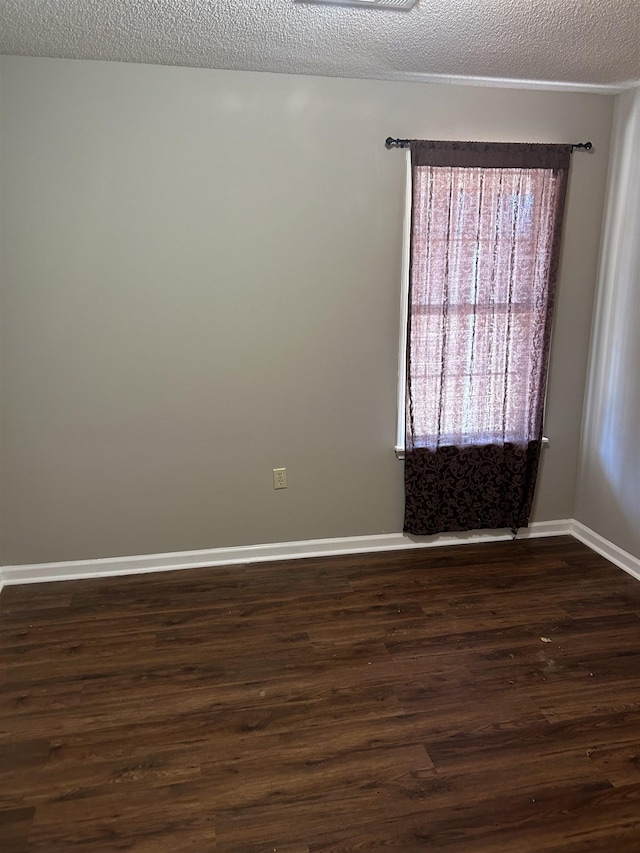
[(480, 699)]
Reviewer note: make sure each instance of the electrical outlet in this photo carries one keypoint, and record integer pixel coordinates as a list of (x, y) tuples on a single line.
[(279, 478)]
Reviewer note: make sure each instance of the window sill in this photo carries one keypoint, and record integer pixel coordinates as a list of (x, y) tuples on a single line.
[(399, 451)]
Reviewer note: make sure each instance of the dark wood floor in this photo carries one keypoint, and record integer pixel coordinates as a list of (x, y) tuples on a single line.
[(466, 700)]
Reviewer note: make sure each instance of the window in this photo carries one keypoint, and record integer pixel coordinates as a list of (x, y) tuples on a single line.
[(479, 263), (485, 224)]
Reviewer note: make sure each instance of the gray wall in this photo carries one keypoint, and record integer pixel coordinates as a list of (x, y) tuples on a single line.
[(608, 500), (200, 275)]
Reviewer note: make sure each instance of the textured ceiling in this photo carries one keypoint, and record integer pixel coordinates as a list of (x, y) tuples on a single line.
[(590, 43)]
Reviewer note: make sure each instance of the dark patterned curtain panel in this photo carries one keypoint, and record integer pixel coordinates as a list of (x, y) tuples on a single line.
[(485, 240)]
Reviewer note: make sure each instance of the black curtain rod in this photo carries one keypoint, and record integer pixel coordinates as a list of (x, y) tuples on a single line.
[(405, 143)]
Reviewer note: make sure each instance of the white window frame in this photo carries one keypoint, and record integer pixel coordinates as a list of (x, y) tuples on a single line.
[(404, 309)]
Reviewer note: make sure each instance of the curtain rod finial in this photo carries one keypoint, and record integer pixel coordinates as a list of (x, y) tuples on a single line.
[(390, 142)]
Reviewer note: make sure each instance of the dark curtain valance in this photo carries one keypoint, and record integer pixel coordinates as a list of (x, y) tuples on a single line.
[(490, 155)]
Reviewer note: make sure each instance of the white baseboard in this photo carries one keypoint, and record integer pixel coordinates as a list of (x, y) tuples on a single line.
[(542, 529), (625, 561), (78, 569), (281, 551)]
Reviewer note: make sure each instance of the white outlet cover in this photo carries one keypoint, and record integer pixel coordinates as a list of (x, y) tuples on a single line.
[(279, 478)]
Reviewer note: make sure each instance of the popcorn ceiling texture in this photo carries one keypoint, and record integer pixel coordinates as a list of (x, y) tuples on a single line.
[(589, 42)]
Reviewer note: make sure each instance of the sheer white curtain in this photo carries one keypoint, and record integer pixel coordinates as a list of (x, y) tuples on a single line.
[(479, 302)]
